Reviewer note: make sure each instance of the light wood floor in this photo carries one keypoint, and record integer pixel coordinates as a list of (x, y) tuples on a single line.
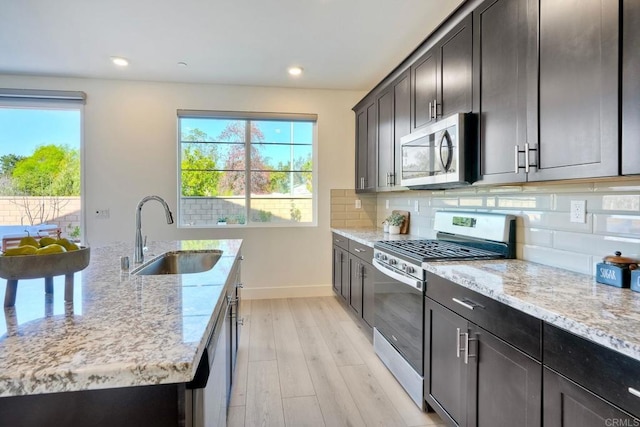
[(307, 362)]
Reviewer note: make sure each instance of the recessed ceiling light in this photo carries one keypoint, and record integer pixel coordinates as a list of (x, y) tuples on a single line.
[(182, 64), (295, 71), (120, 62)]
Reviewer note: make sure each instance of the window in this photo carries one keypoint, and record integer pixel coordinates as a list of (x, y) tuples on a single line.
[(40, 162), (246, 169)]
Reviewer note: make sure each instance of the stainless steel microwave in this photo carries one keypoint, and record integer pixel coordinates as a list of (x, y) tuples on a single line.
[(442, 155)]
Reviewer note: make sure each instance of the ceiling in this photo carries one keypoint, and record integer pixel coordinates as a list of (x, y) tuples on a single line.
[(341, 44)]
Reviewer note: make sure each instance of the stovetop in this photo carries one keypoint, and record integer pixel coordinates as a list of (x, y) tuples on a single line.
[(435, 250)]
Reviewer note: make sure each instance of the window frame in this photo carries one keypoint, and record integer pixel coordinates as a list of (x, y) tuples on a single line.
[(55, 100), (248, 117)]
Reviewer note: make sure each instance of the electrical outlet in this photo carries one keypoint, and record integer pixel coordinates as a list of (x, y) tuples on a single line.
[(102, 213), (386, 204), (358, 204), (578, 211), (416, 207)]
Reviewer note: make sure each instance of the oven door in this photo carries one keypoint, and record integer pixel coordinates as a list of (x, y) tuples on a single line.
[(399, 313)]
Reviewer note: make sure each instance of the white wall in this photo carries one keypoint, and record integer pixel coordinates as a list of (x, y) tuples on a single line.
[(130, 150)]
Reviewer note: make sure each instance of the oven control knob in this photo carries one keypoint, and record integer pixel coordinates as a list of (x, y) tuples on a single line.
[(410, 269), (393, 261), (378, 256), (384, 257), (403, 266)]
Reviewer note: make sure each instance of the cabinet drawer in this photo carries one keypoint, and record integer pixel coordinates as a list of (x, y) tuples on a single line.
[(340, 241), (513, 326), (363, 252), (603, 371)]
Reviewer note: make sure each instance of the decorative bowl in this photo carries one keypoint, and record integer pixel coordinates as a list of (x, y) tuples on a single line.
[(49, 265)]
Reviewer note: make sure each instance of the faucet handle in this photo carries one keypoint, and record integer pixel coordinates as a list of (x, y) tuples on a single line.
[(144, 244)]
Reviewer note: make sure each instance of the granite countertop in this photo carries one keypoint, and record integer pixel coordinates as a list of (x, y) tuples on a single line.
[(368, 236), (119, 331), (574, 302)]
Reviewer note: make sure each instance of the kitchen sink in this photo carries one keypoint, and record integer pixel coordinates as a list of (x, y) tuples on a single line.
[(180, 262)]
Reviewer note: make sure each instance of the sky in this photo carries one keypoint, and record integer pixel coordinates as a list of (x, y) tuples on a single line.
[(22, 130), (278, 137)]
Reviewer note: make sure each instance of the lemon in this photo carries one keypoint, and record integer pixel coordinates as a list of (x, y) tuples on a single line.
[(51, 249), (21, 250), (29, 241), (46, 241)]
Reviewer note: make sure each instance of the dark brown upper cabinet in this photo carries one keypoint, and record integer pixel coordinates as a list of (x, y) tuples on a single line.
[(630, 87), (505, 76), (578, 90), (442, 77), (393, 124), (366, 128)]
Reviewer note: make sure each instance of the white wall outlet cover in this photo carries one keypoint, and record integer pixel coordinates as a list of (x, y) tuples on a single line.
[(578, 211), (417, 206), (358, 204)]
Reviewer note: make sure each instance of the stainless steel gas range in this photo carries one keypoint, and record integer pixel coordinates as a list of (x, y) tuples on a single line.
[(400, 283)]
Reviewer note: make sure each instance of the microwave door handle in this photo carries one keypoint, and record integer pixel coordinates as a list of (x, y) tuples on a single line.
[(446, 165)]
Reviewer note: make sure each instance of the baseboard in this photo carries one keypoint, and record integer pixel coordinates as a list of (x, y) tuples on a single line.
[(288, 292)]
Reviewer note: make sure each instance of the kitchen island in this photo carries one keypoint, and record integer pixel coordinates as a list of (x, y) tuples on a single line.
[(121, 331)]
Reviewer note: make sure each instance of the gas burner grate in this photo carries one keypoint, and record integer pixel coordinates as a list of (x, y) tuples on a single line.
[(435, 250)]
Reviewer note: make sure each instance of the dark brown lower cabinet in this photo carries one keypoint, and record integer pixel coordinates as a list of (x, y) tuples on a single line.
[(508, 383), (353, 277), (445, 382), (566, 404), (341, 272), (355, 281), (474, 378)]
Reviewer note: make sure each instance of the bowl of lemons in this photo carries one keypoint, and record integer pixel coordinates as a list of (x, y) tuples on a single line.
[(45, 257)]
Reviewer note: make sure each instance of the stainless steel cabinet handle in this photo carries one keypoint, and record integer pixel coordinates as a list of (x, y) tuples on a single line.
[(635, 392), (393, 178), (430, 111), (337, 240), (362, 182), (464, 304), (458, 343), (435, 109), (360, 250), (526, 157), (466, 348)]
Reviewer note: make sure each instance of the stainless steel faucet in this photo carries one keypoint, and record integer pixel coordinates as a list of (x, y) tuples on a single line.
[(138, 255)]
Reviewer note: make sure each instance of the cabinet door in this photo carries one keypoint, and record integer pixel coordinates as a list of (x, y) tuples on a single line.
[(341, 272), (630, 87), (355, 284), (578, 100), (368, 305), (507, 383), (445, 379), (455, 61), (566, 404), (424, 76), (502, 39), (385, 139), (401, 120), (366, 148)]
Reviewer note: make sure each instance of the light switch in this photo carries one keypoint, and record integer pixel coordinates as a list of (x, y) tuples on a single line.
[(358, 204)]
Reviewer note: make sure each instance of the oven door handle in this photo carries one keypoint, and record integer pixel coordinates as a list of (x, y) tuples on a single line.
[(400, 277)]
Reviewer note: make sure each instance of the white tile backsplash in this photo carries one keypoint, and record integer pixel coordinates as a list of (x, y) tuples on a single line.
[(544, 234)]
